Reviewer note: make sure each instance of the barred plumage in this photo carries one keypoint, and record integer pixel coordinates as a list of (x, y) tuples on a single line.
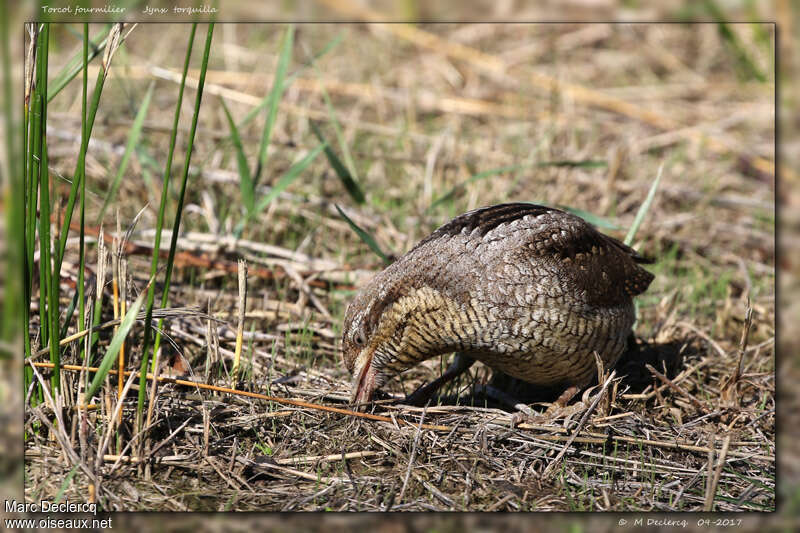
[(529, 290)]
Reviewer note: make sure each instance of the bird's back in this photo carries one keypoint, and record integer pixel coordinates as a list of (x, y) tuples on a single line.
[(529, 290), (538, 289), (522, 245)]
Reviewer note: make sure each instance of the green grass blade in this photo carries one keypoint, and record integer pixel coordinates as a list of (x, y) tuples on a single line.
[(289, 177), (48, 289), (289, 79), (29, 222), (133, 140), (337, 129), (82, 318), (746, 65), (246, 185), (69, 312), (346, 178), (637, 221), (160, 222), (332, 44), (368, 239), (113, 348), (176, 226), (272, 101), (33, 147), (78, 176), (285, 180), (82, 171), (65, 483), (75, 65), (591, 218)]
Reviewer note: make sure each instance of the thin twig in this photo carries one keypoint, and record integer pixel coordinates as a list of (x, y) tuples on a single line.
[(240, 325), (664, 379), (712, 487), (249, 394), (412, 457), (552, 466)]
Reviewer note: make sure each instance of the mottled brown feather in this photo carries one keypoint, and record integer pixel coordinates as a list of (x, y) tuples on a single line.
[(528, 289)]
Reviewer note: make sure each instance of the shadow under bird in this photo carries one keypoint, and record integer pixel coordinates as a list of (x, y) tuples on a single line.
[(530, 291)]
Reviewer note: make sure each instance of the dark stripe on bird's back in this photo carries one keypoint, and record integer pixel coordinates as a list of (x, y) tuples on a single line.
[(486, 219)]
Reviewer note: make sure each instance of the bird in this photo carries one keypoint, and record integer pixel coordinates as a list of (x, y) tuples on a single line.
[(531, 291)]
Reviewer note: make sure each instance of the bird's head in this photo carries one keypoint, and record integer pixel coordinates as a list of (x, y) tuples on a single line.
[(381, 332), (366, 341)]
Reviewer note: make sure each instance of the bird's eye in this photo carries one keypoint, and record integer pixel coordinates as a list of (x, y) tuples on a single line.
[(359, 338)]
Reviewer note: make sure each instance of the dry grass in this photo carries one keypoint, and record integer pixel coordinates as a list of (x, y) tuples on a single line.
[(421, 115)]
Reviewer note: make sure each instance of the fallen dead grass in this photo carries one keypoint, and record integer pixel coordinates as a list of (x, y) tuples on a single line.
[(688, 423)]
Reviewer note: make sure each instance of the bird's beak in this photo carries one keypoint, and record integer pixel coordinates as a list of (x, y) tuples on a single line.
[(364, 382)]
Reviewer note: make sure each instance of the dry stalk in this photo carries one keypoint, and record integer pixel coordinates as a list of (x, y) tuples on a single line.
[(702, 334), (666, 381), (713, 479), (116, 255), (249, 394), (597, 439), (30, 60), (198, 259), (728, 392), (412, 457), (552, 466), (157, 313), (240, 325), (212, 345), (286, 469), (679, 378), (123, 281), (113, 415), (498, 69), (58, 430), (112, 44), (144, 442)]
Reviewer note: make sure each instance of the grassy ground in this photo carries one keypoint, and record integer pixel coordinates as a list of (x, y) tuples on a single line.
[(566, 114)]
